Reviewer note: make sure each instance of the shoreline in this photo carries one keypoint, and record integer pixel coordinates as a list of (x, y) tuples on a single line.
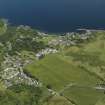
[(79, 30)]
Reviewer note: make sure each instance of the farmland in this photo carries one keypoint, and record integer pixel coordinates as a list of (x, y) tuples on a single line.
[(44, 69), (58, 72), (83, 95), (81, 65)]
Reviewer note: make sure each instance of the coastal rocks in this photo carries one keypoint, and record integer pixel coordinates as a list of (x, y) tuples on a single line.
[(42, 33), (23, 27)]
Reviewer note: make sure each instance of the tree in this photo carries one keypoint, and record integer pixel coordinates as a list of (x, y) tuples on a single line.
[(3, 26)]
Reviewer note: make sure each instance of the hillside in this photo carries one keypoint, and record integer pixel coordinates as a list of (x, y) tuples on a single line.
[(48, 69)]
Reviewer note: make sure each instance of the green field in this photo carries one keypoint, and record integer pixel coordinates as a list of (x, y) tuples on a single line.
[(58, 72), (83, 95), (58, 100), (101, 101), (82, 65), (91, 56)]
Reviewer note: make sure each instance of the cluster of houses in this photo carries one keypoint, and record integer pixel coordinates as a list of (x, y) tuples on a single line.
[(9, 73), (65, 40), (45, 52), (23, 27), (13, 73), (69, 39), (61, 42)]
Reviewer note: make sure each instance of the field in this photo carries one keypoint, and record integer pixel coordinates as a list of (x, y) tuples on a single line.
[(90, 56), (58, 72), (82, 65), (73, 76), (83, 95), (58, 100)]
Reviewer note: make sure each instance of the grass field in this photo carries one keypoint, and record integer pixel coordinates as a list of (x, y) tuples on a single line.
[(82, 65), (58, 100), (83, 96), (91, 56), (101, 101), (58, 72)]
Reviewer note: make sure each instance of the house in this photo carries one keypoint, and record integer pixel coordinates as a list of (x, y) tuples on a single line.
[(39, 55), (44, 52)]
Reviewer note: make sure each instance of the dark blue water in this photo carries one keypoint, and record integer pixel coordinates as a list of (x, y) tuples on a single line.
[(55, 15)]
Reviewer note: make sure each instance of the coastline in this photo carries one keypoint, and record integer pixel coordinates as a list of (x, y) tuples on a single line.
[(79, 30)]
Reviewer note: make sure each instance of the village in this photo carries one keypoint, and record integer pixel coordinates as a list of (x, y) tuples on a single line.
[(13, 72), (12, 66), (35, 59)]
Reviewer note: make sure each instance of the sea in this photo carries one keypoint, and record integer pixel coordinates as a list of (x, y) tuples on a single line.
[(55, 16)]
